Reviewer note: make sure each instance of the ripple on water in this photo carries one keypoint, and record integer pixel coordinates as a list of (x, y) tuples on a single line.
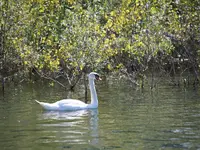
[(78, 127)]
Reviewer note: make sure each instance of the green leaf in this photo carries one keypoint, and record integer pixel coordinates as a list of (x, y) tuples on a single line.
[(154, 10)]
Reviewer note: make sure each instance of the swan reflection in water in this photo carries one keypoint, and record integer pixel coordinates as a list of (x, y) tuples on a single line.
[(79, 127)]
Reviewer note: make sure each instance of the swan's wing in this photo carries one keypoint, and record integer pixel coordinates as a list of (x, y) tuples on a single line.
[(71, 104)]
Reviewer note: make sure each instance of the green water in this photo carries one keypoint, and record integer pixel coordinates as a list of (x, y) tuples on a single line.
[(127, 118)]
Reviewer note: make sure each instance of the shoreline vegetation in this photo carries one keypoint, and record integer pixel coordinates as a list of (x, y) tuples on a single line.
[(63, 40)]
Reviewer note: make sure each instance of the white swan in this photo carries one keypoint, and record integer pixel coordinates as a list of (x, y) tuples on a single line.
[(72, 104)]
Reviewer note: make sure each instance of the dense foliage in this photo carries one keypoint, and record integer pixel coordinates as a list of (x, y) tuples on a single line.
[(66, 38)]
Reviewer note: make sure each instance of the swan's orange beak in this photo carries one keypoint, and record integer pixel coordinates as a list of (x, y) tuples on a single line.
[(99, 79)]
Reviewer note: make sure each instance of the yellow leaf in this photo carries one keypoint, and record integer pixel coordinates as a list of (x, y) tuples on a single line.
[(113, 36), (106, 41), (112, 13), (109, 67), (49, 42), (109, 24), (97, 28)]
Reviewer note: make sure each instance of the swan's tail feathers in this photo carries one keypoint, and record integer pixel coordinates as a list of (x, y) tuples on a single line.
[(47, 106), (37, 101), (41, 103)]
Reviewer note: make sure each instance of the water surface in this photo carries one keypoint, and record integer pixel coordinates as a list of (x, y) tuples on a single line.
[(127, 118)]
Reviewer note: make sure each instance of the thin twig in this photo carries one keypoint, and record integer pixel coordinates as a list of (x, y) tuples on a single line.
[(49, 78)]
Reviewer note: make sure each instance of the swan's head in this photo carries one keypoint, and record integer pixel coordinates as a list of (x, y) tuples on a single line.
[(94, 75)]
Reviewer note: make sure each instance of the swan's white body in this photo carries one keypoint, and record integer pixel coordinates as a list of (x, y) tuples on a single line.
[(72, 104)]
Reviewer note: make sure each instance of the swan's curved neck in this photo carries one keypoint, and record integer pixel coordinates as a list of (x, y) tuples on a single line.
[(94, 99)]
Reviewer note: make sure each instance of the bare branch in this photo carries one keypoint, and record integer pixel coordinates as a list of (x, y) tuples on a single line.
[(49, 78)]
